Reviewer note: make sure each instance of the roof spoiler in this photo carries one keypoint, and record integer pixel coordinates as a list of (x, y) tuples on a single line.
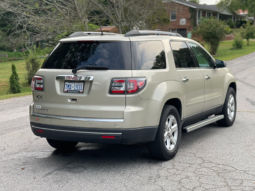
[(150, 32)]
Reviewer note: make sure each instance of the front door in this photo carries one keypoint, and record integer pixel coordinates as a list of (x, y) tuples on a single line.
[(191, 79), (213, 78)]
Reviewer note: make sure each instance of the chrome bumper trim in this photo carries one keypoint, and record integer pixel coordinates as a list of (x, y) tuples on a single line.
[(77, 118), (79, 132)]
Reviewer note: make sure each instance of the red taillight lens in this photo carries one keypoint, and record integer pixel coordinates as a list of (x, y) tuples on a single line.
[(37, 83), (134, 85), (118, 86)]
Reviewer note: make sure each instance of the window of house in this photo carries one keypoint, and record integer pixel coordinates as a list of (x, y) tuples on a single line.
[(173, 16), (182, 55), (209, 14)]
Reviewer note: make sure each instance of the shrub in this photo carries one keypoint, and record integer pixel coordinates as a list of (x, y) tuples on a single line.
[(212, 31), (228, 30), (14, 82), (32, 65), (230, 23), (238, 42)]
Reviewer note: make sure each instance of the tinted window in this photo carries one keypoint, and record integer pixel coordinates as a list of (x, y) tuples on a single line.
[(148, 55), (114, 55), (182, 55), (203, 58)]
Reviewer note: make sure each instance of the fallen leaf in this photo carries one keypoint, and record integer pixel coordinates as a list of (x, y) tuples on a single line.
[(22, 168)]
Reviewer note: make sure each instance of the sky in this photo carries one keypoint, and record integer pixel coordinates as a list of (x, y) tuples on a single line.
[(208, 2)]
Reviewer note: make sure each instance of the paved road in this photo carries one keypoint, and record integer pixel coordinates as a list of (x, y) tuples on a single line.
[(211, 158)]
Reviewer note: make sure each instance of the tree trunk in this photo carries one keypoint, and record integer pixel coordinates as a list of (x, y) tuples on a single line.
[(254, 20), (120, 28)]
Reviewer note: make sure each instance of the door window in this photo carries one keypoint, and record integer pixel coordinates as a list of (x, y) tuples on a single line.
[(182, 55), (203, 58)]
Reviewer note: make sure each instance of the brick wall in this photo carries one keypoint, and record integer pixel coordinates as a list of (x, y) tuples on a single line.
[(182, 11)]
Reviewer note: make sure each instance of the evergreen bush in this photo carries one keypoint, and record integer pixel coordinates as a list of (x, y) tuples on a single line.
[(32, 65), (14, 82)]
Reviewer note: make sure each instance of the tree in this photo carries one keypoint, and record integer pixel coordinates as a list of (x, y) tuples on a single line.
[(239, 4), (212, 31), (126, 14), (14, 82), (249, 32), (194, 1), (44, 19)]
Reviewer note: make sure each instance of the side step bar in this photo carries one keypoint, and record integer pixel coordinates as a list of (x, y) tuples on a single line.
[(203, 123)]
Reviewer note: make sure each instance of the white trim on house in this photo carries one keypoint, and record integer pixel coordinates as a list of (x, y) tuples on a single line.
[(181, 3)]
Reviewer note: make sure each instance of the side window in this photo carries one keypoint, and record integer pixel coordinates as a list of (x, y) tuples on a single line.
[(182, 55), (203, 58), (148, 55)]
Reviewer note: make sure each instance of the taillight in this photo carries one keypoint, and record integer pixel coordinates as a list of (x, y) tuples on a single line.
[(127, 86), (37, 83), (118, 86)]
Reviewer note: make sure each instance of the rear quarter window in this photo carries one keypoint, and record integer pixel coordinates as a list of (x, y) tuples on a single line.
[(148, 55), (114, 55)]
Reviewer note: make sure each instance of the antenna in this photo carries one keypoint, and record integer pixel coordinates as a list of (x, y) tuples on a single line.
[(101, 31)]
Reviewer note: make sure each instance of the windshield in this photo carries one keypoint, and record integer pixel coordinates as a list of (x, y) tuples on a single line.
[(113, 55)]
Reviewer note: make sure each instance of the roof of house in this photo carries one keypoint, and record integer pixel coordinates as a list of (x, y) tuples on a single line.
[(204, 7)]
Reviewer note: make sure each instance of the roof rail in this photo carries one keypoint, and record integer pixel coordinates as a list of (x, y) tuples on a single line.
[(76, 34), (150, 32)]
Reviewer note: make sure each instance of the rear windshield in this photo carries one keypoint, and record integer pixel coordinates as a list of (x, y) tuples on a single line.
[(114, 55)]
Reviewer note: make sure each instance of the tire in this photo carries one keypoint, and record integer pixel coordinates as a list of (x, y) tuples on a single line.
[(166, 150), (62, 145), (229, 109)]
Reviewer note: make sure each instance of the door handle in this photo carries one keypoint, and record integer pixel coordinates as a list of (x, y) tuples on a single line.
[(207, 77), (185, 79)]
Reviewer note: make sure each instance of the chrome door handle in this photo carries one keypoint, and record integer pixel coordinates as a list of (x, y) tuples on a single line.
[(185, 79), (207, 77)]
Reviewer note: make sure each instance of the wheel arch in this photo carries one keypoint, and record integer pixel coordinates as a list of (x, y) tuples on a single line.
[(232, 85), (176, 102)]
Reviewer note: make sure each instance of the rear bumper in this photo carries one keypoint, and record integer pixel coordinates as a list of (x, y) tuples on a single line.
[(94, 135)]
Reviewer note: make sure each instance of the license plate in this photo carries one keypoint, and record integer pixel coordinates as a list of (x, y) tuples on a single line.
[(74, 87)]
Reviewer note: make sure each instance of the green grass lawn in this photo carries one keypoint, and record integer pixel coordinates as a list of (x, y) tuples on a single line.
[(236, 31), (227, 52), (5, 73)]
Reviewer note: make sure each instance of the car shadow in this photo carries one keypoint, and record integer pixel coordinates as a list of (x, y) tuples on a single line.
[(88, 155)]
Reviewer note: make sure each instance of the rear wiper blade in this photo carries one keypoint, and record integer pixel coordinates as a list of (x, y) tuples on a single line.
[(90, 67)]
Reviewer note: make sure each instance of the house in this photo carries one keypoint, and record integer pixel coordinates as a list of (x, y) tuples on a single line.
[(185, 15)]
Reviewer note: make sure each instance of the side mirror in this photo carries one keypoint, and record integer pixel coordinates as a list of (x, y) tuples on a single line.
[(220, 64)]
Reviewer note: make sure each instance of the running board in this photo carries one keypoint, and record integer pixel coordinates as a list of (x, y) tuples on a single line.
[(203, 123)]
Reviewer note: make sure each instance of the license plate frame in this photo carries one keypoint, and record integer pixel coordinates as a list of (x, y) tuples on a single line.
[(75, 90)]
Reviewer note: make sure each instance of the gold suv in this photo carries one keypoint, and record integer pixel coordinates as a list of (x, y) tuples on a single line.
[(141, 87)]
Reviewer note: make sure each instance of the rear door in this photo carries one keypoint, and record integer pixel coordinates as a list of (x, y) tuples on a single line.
[(213, 78), (190, 77), (86, 93)]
